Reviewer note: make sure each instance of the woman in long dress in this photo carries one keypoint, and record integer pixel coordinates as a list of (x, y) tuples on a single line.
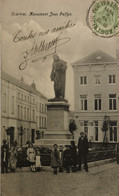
[(13, 159)]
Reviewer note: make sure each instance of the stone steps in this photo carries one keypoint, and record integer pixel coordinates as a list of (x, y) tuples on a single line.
[(57, 134)]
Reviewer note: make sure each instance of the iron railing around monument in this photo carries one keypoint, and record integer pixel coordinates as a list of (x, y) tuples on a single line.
[(100, 155), (94, 155)]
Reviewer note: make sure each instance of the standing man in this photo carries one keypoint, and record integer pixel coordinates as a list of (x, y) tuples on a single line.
[(83, 151), (4, 157)]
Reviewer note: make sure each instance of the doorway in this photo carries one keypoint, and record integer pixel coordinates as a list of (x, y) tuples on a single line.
[(11, 135), (33, 135)]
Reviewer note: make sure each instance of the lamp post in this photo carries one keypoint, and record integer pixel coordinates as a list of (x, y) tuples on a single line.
[(21, 132)]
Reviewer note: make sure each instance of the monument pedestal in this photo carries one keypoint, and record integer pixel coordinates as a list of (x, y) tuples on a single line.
[(57, 124), (57, 121)]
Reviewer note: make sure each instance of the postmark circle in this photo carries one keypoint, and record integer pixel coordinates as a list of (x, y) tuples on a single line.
[(102, 18)]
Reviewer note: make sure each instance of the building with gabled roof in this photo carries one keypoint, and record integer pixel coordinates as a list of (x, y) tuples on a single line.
[(96, 95), (23, 111)]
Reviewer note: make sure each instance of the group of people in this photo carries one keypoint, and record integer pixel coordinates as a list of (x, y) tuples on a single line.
[(64, 159), (8, 157), (13, 157), (34, 158), (70, 158)]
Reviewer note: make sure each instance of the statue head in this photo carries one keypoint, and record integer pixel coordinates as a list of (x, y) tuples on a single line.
[(55, 57)]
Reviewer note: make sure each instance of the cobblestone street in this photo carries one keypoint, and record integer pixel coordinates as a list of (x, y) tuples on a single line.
[(101, 180)]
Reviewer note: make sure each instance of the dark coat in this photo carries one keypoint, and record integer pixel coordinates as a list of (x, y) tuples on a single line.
[(67, 157), (54, 158), (72, 127), (83, 145), (4, 153), (73, 152)]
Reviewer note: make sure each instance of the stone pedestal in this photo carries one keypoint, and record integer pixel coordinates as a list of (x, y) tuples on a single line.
[(57, 121)]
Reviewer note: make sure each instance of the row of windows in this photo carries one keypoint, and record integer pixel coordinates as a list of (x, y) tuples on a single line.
[(97, 79), (112, 130), (4, 105), (24, 113), (41, 122), (98, 102), (41, 107), (23, 97)]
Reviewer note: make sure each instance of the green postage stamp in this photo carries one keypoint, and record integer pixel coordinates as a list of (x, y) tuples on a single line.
[(103, 18)]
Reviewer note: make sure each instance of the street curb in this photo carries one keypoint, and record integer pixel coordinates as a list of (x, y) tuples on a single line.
[(90, 164), (101, 162)]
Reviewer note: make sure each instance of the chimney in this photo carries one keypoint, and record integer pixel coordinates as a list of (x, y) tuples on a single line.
[(33, 85), (117, 54)]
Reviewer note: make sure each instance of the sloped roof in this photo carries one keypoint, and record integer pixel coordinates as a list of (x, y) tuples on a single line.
[(97, 57), (21, 84)]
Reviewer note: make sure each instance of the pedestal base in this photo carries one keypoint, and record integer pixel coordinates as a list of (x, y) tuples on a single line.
[(57, 135), (57, 123)]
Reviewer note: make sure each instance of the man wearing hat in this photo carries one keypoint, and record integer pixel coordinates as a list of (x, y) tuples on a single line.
[(83, 151)]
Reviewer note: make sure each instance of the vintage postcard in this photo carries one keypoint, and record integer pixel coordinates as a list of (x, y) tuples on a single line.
[(59, 97)]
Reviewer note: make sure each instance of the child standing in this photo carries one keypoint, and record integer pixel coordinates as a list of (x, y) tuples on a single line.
[(31, 156), (73, 151), (38, 161), (55, 158)]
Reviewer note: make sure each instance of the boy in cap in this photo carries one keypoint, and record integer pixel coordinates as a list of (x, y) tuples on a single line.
[(55, 158)]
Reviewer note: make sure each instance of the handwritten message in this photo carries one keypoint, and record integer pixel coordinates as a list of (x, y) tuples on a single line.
[(42, 48)]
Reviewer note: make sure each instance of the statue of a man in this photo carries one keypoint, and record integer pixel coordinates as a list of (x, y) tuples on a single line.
[(58, 75)]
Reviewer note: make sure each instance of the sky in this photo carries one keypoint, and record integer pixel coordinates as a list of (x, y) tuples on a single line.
[(82, 41)]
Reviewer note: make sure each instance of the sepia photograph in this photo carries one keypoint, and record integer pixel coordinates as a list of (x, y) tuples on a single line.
[(59, 98)]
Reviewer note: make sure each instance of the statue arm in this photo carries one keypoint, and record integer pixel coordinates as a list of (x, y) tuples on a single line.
[(64, 65)]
